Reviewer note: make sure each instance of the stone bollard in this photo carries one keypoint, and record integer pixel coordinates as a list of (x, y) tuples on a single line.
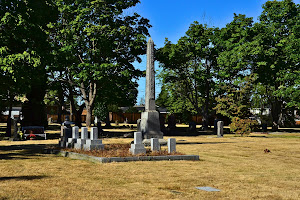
[(137, 147), (220, 126), (171, 145), (155, 144)]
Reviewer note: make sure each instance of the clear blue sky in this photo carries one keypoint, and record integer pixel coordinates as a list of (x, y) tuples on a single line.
[(172, 18)]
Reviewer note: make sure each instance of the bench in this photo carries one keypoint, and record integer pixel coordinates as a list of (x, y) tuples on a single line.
[(36, 130)]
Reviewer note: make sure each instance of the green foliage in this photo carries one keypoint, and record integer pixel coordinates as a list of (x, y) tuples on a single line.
[(188, 71), (24, 52), (242, 126), (101, 111), (236, 97), (97, 44), (275, 55), (131, 110)]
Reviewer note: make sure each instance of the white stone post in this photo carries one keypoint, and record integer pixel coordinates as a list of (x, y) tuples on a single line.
[(220, 125), (171, 145), (155, 144)]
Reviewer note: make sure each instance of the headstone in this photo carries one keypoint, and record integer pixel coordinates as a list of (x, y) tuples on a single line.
[(137, 147), (15, 129), (100, 130), (171, 145), (155, 146), (192, 127), (94, 133), (93, 143), (171, 122), (75, 135), (50, 120), (84, 133), (65, 133), (264, 127), (80, 142), (150, 124), (220, 126)]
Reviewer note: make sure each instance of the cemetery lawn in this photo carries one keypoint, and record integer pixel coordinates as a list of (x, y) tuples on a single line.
[(238, 166)]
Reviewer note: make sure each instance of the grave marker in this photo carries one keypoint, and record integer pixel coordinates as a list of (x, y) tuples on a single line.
[(137, 147)]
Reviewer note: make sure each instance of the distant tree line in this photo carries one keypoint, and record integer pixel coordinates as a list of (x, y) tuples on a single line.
[(229, 70), (80, 54)]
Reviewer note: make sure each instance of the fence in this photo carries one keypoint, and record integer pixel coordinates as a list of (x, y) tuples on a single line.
[(55, 117)]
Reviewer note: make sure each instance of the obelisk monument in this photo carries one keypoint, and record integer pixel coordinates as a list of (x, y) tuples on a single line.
[(150, 125)]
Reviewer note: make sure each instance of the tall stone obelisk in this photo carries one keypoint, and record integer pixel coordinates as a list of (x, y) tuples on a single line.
[(150, 125)]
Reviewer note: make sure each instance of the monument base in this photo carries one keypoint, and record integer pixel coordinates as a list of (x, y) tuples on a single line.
[(162, 142), (150, 125)]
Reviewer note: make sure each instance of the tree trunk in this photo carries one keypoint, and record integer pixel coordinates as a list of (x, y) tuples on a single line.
[(88, 116), (207, 89), (60, 105), (275, 113), (8, 123), (89, 99), (33, 110), (72, 111), (78, 116), (107, 121)]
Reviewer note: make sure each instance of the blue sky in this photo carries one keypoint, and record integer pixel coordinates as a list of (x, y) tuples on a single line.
[(172, 18)]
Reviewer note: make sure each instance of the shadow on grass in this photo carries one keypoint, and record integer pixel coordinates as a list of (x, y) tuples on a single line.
[(258, 136), (20, 178), (184, 143), (16, 152)]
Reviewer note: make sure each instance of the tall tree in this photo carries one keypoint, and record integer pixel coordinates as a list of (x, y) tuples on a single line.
[(190, 65), (24, 52), (98, 42), (275, 55)]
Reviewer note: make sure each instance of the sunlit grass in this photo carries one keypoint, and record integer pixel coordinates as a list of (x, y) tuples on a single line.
[(238, 166)]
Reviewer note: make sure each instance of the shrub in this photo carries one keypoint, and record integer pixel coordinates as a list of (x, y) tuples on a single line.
[(242, 126)]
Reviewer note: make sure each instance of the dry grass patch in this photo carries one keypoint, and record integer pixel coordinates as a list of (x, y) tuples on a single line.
[(237, 166)]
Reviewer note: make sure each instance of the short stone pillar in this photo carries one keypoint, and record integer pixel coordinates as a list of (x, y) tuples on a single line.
[(137, 147), (80, 142), (220, 125), (155, 146), (171, 145), (75, 136)]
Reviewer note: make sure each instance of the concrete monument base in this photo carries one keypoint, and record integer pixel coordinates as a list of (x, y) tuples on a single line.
[(150, 125), (162, 142)]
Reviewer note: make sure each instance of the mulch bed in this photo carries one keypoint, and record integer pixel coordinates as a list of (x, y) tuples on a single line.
[(119, 150)]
